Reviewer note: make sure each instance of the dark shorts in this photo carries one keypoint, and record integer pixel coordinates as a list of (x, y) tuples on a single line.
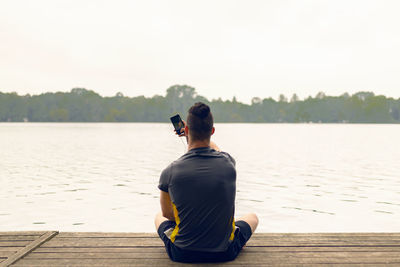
[(242, 235)]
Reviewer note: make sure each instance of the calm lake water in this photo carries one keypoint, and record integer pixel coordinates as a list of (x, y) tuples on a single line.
[(104, 177)]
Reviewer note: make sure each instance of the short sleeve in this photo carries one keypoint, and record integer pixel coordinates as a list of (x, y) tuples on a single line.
[(164, 179), (229, 157)]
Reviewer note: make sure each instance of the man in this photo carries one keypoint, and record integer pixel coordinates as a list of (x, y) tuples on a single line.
[(197, 199)]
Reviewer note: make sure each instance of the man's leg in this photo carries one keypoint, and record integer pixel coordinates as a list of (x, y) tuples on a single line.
[(251, 219), (159, 219)]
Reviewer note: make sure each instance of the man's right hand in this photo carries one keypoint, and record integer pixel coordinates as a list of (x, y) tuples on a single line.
[(182, 133)]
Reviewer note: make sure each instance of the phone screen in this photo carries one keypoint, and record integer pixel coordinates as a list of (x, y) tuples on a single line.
[(177, 122)]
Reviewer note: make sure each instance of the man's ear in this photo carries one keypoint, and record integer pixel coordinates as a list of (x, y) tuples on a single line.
[(186, 130), (212, 131)]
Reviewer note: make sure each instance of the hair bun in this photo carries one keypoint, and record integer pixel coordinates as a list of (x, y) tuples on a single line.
[(201, 110)]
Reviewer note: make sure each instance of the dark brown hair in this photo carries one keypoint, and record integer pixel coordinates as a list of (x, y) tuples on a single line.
[(200, 121)]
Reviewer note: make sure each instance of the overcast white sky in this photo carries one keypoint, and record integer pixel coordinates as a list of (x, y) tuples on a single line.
[(223, 48)]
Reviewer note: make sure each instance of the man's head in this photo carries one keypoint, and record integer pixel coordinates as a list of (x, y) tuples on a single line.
[(200, 122)]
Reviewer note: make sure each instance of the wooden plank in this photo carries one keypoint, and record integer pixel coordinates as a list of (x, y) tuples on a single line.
[(31, 246), (166, 262), (172, 264), (103, 242), (9, 248), (13, 233), (98, 255), (327, 242), (322, 249), (284, 238), (142, 242), (18, 238), (17, 243), (256, 235), (100, 249), (97, 262), (323, 238), (333, 242), (317, 238), (268, 240), (247, 249), (104, 234), (162, 255), (326, 234), (379, 234)]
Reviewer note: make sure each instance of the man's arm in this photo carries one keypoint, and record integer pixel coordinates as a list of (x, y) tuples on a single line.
[(166, 206)]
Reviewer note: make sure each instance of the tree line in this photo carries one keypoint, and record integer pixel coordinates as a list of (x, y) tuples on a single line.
[(82, 105)]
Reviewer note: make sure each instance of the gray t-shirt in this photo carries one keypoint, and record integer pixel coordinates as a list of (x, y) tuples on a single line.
[(202, 187)]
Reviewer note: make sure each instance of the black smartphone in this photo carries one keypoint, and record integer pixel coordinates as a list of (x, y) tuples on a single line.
[(178, 123)]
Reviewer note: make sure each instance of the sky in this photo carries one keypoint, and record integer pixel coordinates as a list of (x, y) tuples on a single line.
[(223, 48)]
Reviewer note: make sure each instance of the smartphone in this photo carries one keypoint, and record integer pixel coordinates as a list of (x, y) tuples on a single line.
[(178, 123)]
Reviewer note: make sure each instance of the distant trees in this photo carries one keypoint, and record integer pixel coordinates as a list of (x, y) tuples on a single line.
[(82, 105)]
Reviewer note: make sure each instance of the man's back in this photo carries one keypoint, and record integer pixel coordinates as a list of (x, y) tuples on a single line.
[(197, 198), (202, 186)]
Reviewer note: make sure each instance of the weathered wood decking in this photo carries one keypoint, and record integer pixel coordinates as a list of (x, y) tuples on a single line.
[(143, 249)]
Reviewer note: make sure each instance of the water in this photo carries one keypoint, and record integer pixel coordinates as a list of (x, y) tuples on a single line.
[(103, 177)]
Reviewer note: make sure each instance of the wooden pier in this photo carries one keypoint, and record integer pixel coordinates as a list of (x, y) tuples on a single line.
[(145, 249)]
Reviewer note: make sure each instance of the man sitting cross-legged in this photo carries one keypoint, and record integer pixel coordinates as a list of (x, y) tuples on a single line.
[(198, 199)]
